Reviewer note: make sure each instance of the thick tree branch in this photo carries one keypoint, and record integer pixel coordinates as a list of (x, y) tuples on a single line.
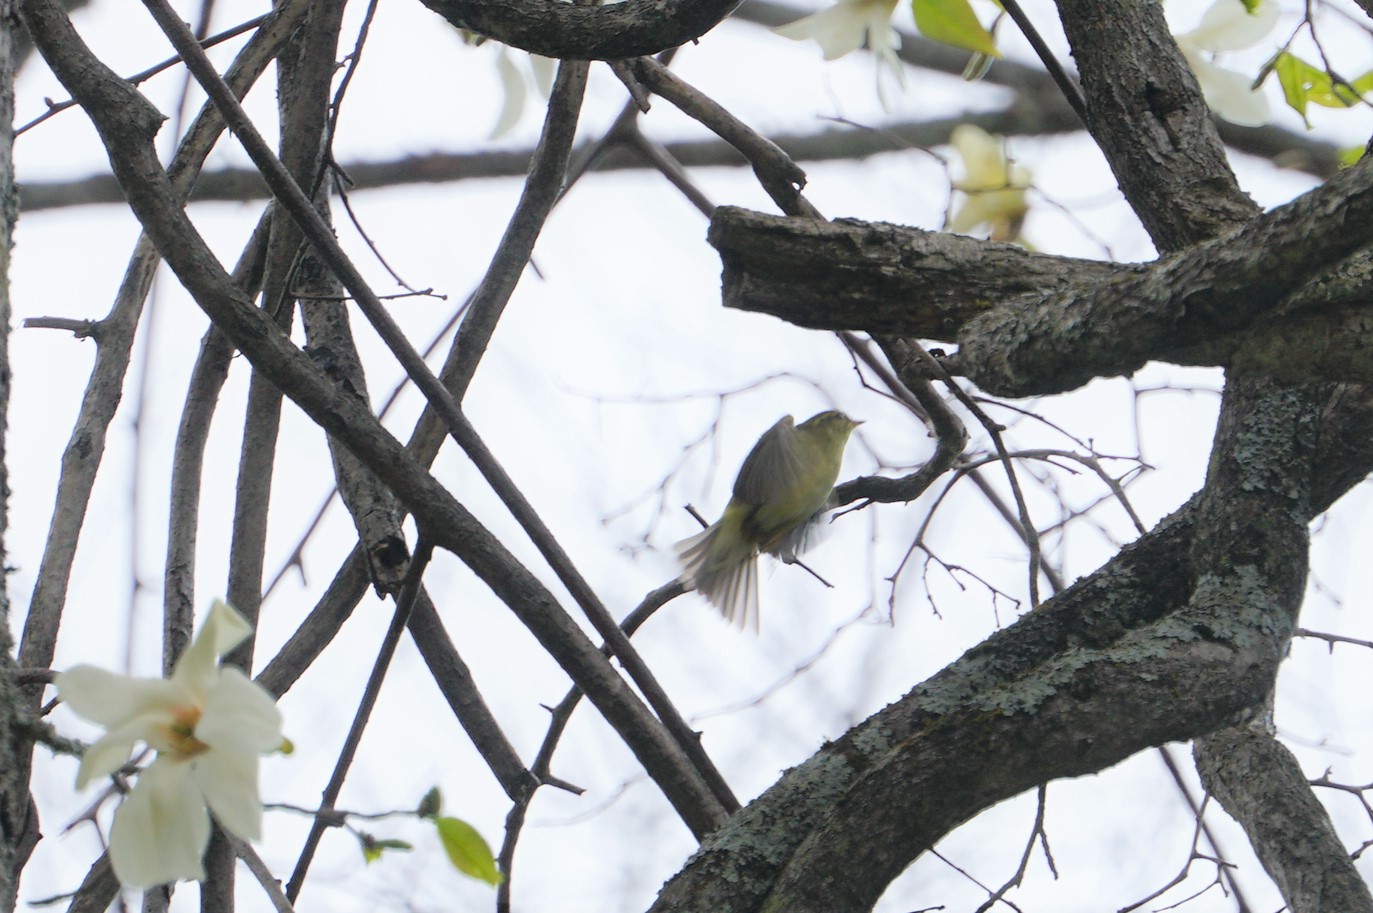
[(1033, 324), (1250, 552), (881, 278), (1227, 620), (1079, 713), (1215, 287), (1137, 590), (634, 28), (1148, 115), (1262, 786), (19, 831), (1190, 670)]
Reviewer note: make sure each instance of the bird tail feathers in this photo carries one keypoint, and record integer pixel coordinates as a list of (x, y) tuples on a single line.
[(730, 586)]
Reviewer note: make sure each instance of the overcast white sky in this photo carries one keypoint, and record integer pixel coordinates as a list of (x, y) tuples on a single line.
[(607, 366)]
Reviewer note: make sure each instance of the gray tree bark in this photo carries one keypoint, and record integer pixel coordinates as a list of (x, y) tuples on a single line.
[(18, 822), (1137, 654)]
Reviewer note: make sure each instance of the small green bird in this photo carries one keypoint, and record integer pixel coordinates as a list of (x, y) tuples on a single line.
[(782, 489)]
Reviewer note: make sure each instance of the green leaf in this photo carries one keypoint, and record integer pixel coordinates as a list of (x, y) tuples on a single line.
[(1291, 71), (1363, 84), (1251, 6), (1351, 155), (1304, 83), (953, 22), (468, 852)]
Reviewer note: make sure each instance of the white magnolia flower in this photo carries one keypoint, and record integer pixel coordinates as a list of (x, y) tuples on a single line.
[(209, 726), (844, 27), (993, 188), (514, 88), (1229, 26)]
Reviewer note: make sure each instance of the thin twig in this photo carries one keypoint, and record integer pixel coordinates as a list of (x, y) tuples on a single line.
[(560, 715), (911, 385), (779, 175), (81, 329), (270, 885), (1028, 532), (55, 108), (404, 603), (1199, 810), (290, 195), (1035, 832), (1332, 639), (1071, 90)]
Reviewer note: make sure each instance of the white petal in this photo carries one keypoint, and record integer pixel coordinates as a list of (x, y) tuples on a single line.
[(102, 758), (161, 829), (112, 750), (224, 628), (885, 46), (838, 30), (221, 631), (1231, 95), (545, 68), (1228, 26), (239, 716), (228, 780), (513, 89), (112, 700)]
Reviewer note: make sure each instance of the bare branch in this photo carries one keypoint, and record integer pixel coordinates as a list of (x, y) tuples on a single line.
[(1259, 782), (405, 603), (634, 28), (127, 125), (1055, 322)]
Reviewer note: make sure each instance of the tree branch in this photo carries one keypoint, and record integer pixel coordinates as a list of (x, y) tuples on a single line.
[(634, 28), (1147, 114), (1031, 324), (882, 278), (127, 124), (1262, 786), (1090, 623)]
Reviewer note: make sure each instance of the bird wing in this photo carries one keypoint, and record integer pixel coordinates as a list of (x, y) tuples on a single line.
[(772, 468)]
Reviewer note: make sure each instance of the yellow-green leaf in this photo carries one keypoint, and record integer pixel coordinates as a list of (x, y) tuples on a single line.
[(1351, 155), (953, 22), (466, 849), (1304, 83), (1363, 84), (1291, 72)]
